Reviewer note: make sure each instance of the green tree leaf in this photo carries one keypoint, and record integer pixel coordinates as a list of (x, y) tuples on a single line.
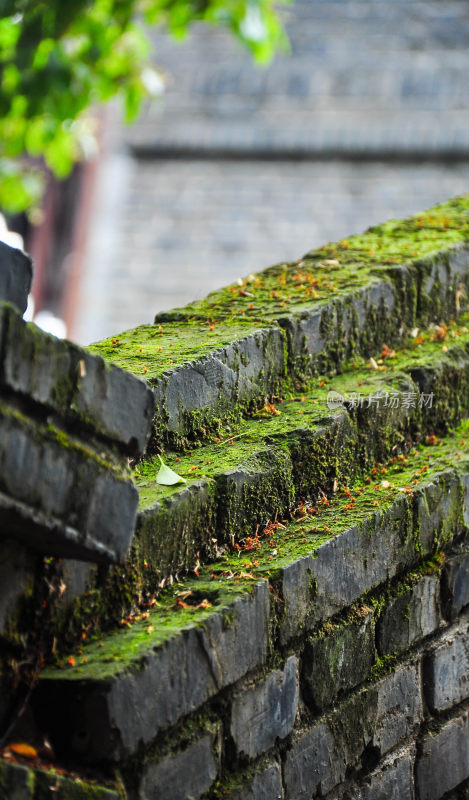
[(167, 477)]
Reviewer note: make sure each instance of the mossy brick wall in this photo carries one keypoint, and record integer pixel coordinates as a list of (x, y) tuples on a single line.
[(65, 488), (292, 622)]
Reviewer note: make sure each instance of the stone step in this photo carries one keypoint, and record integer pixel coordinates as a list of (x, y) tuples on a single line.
[(275, 463), (116, 695), (214, 358), (293, 451)]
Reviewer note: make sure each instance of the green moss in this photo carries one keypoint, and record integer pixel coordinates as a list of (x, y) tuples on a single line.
[(383, 666), (150, 351)]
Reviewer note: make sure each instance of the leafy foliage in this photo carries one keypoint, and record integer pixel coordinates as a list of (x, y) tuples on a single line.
[(58, 57)]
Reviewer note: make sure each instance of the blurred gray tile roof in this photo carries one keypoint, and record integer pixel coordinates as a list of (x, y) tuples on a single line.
[(363, 76), (239, 167)]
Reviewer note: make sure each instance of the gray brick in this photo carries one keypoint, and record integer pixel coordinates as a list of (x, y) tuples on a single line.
[(398, 707), (410, 616), (267, 711), (297, 592), (237, 644), (173, 531), (393, 780), (77, 385), (305, 331), (266, 784), (455, 585), (16, 273), (145, 693), (444, 760), (378, 717), (446, 670), (246, 369), (18, 782), (438, 509), (187, 774), (254, 491), (337, 661), (59, 498), (314, 762), (466, 499), (117, 403)]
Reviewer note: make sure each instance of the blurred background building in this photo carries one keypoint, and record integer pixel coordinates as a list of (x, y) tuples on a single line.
[(237, 167)]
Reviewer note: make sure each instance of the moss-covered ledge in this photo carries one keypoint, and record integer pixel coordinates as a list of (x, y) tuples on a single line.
[(216, 358)]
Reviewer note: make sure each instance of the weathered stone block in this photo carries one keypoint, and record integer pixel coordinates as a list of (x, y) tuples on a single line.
[(356, 322), (398, 708), (117, 403), (382, 424), (297, 592), (438, 510), (237, 641), (175, 531), (16, 274), (59, 498), (321, 453), (465, 482), (446, 381), (455, 585), (104, 715), (337, 661), (441, 278), (446, 670), (77, 385), (267, 711), (410, 616), (444, 760), (18, 782), (188, 773), (376, 718), (393, 780), (255, 491), (245, 370), (361, 558), (266, 784)]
